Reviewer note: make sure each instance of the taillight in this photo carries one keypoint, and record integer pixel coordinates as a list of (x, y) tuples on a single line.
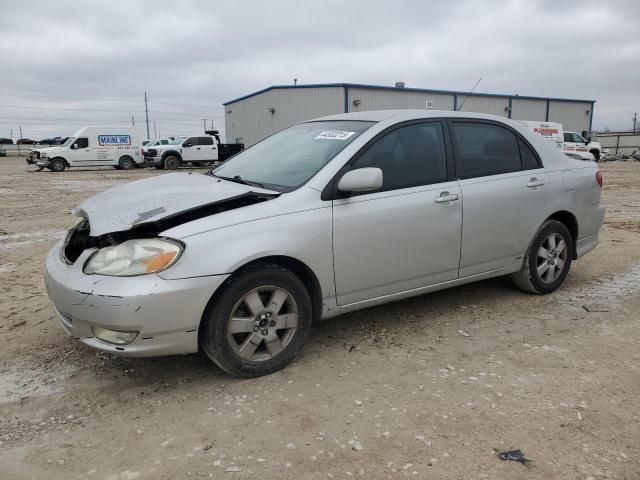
[(599, 178)]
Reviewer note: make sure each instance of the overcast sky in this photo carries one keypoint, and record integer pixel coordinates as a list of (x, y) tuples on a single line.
[(66, 64)]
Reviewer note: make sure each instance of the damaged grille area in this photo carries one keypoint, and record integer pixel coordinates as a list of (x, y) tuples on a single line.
[(79, 239)]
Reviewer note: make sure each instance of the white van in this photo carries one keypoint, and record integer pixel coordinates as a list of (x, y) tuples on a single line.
[(555, 134), (550, 131), (93, 146)]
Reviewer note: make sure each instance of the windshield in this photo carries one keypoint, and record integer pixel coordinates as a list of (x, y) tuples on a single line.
[(289, 158), (177, 141), (68, 142)]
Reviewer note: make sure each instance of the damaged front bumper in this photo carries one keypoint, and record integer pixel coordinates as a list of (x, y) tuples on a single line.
[(165, 313)]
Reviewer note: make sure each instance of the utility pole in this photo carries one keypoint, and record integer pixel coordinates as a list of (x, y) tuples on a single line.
[(635, 119), (146, 112), (133, 122), (155, 132), (20, 127), (204, 124)]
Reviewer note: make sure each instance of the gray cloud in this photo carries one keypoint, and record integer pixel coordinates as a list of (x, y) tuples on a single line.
[(77, 63)]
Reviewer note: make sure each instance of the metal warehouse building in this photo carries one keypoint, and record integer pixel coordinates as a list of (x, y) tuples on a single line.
[(253, 117)]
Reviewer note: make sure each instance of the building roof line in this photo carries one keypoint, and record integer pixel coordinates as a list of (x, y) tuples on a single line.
[(403, 89)]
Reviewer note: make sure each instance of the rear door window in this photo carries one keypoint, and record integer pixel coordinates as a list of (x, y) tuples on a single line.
[(484, 149), (529, 158), (205, 141)]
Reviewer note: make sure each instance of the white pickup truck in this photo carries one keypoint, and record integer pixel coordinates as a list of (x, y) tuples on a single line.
[(199, 150), (570, 143), (575, 143)]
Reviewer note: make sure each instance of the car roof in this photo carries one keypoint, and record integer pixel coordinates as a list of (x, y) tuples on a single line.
[(402, 115)]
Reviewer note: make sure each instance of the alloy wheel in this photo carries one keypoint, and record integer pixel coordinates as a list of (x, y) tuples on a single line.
[(552, 258), (263, 323)]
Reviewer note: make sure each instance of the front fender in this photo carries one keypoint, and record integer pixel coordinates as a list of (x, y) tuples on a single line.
[(175, 153), (303, 235)]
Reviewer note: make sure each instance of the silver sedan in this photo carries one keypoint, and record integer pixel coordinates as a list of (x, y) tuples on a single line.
[(328, 216)]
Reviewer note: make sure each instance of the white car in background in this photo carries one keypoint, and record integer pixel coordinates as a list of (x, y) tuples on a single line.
[(156, 143)]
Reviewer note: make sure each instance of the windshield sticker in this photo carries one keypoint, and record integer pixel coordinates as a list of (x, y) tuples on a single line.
[(334, 135)]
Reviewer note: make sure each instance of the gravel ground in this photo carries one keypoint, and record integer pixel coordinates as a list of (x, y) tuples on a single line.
[(430, 387)]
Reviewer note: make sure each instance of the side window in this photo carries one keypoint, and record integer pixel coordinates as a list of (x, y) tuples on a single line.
[(529, 158), (205, 141), (82, 142), (483, 149), (573, 137), (191, 140), (408, 156), (164, 142)]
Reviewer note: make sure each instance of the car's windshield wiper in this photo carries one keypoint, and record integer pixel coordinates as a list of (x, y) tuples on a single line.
[(239, 179)]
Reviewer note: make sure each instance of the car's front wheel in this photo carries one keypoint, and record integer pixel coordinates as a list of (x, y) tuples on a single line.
[(171, 162), (57, 165), (259, 322), (548, 260)]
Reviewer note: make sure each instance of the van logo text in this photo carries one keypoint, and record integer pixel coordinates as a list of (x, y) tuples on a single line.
[(109, 140)]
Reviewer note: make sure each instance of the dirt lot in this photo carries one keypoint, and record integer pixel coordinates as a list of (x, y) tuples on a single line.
[(430, 387)]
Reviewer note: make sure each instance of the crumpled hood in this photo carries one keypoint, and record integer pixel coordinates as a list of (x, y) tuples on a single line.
[(125, 206)]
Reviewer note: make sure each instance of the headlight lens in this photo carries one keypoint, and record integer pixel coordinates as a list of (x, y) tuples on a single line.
[(134, 257)]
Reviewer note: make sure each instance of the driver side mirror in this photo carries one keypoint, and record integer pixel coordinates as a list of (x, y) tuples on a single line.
[(587, 141), (187, 144), (74, 146), (361, 180)]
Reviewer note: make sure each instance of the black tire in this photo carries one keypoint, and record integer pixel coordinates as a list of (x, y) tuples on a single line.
[(596, 155), (57, 165), (171, 162), (529, 277), (126, 163), (215, 339)]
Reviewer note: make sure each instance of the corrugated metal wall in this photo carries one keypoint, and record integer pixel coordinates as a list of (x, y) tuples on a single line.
[(572, 115), (250, 120), (525, 109), (372, 99), (493, 105)]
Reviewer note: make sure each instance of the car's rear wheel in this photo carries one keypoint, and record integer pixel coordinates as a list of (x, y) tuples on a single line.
[(259, 322), (548, 260), (57, 165), (126, 163), (171, 162)]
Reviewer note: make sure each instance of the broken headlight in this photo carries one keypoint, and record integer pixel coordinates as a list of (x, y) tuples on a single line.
[(134, 257)]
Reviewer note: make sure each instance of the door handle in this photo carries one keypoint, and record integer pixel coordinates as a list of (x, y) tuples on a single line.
[(447, 197), (534, 182), (197, 148)]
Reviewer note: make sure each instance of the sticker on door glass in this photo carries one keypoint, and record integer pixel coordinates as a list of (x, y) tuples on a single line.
[(334, 135)]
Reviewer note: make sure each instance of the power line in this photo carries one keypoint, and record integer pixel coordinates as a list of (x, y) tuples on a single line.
[(99, 110), (99, 99)]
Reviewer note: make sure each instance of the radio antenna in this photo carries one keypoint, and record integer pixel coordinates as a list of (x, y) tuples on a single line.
[(470, 92)]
